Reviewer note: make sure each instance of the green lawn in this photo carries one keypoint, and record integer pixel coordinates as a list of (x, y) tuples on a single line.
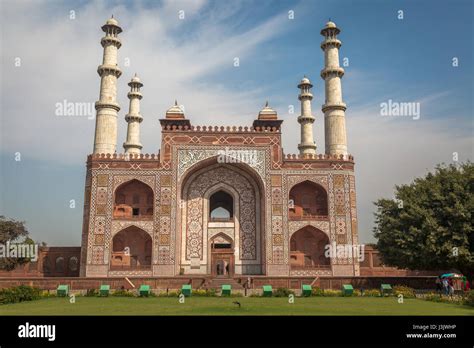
[(224, 306)]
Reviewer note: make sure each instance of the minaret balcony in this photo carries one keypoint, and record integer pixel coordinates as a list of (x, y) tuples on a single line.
[(110, 40), (132, 145), (107, 105), (109, 69), (133, 117), (306, 95), (306, 118), (334, 106), (332, 71), (331, 43), (306, 146), (131, 95)]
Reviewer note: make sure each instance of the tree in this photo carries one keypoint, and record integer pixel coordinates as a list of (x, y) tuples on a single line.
[(12, 231), (429, 225)]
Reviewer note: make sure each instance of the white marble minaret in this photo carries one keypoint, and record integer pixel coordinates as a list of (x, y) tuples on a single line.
[(306, 119), (333, 108), (132, 145), (105, 140)]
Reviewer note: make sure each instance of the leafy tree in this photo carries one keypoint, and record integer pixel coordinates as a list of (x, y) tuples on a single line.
[(12, 231), (429, 225)]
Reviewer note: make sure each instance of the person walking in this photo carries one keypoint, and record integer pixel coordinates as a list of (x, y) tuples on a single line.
[(451, 287), (439, 286), (467, 286), (445, 286)]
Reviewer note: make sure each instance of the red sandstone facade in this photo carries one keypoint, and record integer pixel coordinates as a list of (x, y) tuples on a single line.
[(152, 215)]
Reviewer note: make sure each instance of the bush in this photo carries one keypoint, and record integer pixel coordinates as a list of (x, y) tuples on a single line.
[(91, 293), (432, 296), (317, 291), (406, 291), (204, 293), (331, 293), (371, 293), (469, 300), (19, 294), (283, 292), (171, 293), (123, 293), (47, 293)]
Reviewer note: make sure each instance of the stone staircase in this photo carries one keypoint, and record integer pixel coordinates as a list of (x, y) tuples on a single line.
[(216, 283)]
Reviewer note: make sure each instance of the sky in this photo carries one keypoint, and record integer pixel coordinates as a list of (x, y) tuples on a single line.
[(50, 52)]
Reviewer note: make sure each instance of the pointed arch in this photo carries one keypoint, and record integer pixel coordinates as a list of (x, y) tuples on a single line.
[(307, 249), (197, 184), (133, 199), (131, 249), (309, 201), (221, 206)]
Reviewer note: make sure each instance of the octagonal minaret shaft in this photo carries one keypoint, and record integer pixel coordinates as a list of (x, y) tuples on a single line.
[(132, 145), (306, 119), (333, 108), (105, 140)]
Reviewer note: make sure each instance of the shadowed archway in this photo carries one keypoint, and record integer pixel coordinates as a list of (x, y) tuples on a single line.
[(131, 249), (307, 249), (308, 201)]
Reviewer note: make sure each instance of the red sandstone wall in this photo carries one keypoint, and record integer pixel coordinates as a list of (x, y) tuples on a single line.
[(49, 264)]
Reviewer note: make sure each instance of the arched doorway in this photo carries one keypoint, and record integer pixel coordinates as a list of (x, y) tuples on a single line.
[(307, 249), (131, 249), (222, 256), (309, 202), (221, 206), (133, 200), (221, 198)]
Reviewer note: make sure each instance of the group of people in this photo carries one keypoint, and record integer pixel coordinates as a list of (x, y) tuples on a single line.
[(446, 285)]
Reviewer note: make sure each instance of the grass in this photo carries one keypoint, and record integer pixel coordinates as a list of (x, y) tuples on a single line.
[(224, 306)]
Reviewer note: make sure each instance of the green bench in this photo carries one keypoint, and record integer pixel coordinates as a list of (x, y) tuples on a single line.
[(385, 289), (104, 290), (144, 290), (62, 291), (226, 289), (306, 290), (347, 290), (186, 290), (267, 291)]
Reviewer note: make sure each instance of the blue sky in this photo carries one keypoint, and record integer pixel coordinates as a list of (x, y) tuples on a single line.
[(408, 60)]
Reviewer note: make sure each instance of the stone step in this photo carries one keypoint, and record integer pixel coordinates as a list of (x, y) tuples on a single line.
[(216, 283)]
